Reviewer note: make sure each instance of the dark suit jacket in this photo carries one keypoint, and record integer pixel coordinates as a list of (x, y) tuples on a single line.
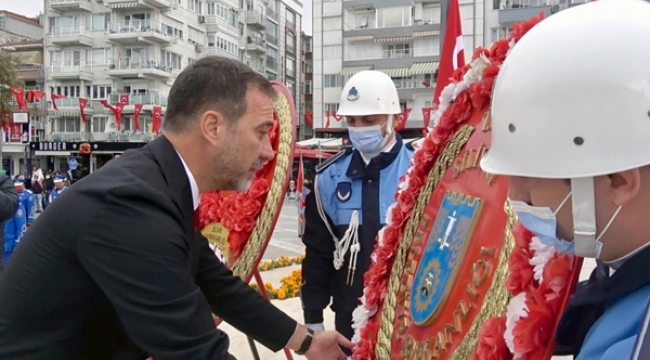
[(114, 270)]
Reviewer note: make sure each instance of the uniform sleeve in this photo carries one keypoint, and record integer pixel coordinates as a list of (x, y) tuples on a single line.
[(142, 267), (238, 304), (29, 208), (20, 223), (8, 198), (317, 267)]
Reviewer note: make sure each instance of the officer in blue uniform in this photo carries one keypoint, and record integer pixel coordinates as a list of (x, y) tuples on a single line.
[(349, 204), (574, 141), (59, 187), (27, 198), (14, 230)]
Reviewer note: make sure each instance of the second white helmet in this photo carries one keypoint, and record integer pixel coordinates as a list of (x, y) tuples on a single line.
[(369, 93)]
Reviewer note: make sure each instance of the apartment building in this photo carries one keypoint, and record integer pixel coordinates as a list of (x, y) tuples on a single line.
[(306, 127), (501, 15), (131, 51), (401, 38), (21, 37)]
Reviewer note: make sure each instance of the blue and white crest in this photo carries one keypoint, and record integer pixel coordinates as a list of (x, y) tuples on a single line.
[(445, 250), (344, 191), (353, 94)]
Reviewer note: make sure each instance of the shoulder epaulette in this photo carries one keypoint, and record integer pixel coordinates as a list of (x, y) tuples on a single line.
[(324, 165)]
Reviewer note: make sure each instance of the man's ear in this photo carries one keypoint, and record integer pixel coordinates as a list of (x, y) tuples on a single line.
[(624, 186), (212, 126)]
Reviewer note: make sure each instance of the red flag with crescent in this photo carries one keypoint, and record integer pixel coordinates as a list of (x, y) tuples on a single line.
[(56, 97), (452, 56), (82, 105), (19, 94), (156, 119), (137, 109)]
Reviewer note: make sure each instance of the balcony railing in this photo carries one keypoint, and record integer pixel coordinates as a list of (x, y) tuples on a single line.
[(140, 62), (360, 24), (68, 31), (70, 67), (256, 40), (67, 2), (28, 67), (413, 84), (68, 102), (390, 54), (253, 16), (137, 26), (152, 98), (271, 39), (69, 136), (257, 66), (518, 4)]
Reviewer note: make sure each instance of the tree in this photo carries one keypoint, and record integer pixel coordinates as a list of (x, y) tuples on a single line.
[(8, 79)]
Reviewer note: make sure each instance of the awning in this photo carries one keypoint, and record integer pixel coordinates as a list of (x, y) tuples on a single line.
[(123, 5), (396, 72), (351, 70), (51, 153), (393, 39), (424, 68), (426, 33), (359, 38)]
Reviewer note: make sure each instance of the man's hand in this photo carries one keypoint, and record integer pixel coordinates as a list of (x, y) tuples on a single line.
[(325, 346)]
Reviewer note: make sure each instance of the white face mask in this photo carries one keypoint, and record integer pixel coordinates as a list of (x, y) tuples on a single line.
[(542, 222)]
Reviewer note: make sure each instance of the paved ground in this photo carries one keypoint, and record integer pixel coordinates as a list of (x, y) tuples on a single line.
[(286, 242)]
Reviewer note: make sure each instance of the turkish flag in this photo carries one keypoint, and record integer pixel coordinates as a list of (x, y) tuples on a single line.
[(426, 115), (309, 119), (82, 105), (137, 109), (156, 122), (56, 97), (19, 94), (401, 119), (119, 107), (452, 56), (124, 98)]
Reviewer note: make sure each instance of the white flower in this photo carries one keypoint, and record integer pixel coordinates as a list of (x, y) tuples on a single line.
[(517, 310), (542, 253), (360, 317)]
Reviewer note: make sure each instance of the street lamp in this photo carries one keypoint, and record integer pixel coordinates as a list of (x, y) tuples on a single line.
[(2, 88)]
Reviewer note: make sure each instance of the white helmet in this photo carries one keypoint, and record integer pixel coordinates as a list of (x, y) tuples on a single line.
[(369, 93), (572, 101)]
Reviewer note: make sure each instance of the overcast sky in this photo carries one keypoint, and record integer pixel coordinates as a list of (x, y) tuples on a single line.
[(33, 7)]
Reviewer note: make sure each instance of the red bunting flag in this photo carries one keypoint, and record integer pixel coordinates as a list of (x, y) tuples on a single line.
[(56, 97), (137, 109), (82, 106), (156, 122), (19, 94)]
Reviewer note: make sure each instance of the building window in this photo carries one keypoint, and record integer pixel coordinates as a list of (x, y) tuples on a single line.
[(500, 33), (98, 124), (291, 43), (291, 67), (68, 91), (291, 19), (66, 125), (333, 81), (97, 92)]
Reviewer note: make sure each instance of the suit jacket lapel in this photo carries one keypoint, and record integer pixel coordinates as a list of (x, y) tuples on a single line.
[(174, 173)]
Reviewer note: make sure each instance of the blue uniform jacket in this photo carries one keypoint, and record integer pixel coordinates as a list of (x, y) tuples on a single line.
[(13, 231), (345, 184), (55, 193), (605, 316), (28, 200)]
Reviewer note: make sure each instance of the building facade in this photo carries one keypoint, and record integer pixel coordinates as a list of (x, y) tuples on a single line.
[(130, 51), (305, 118), (401, 38)]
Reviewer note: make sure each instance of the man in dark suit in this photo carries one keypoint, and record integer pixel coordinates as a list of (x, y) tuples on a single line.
[(116, 270)]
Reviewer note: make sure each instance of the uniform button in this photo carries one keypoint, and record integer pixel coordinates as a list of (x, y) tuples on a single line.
[(354, 171), (369, 181)]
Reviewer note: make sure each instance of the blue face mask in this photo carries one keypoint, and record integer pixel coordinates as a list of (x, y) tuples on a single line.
[(541, 221), (368, 140)]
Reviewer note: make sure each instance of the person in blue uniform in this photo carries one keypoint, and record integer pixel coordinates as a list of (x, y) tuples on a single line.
[(59, 187), (349, 204), (574, 141), (27, 198), (14, 229)]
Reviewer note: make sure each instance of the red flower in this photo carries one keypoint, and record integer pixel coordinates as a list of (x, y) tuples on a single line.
[(520, 276), (557, 277), (406, 201), (535, 331), (258, 188), (499, 50), (523, 237), (491, 343), (520, 29)]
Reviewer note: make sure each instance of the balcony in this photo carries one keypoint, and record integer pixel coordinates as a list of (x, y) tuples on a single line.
[(71, 70), (140, 67), (69, 105), (68, 136), (29, 72), (366, 26), (255, 19), (138, 31), (514, 11), (138, 4), (352, 55), (214, 23), (257, 66), (272, 14), (407, 88), (71, 36), (65, 5), (147, 100), (358, 4), (213, 50), (255, 44)]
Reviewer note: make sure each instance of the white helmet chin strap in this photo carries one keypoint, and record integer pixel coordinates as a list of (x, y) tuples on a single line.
[(584, 218), (587, 244)]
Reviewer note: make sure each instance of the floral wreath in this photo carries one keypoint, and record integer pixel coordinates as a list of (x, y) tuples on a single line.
[(238, 211), (540, 279)]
